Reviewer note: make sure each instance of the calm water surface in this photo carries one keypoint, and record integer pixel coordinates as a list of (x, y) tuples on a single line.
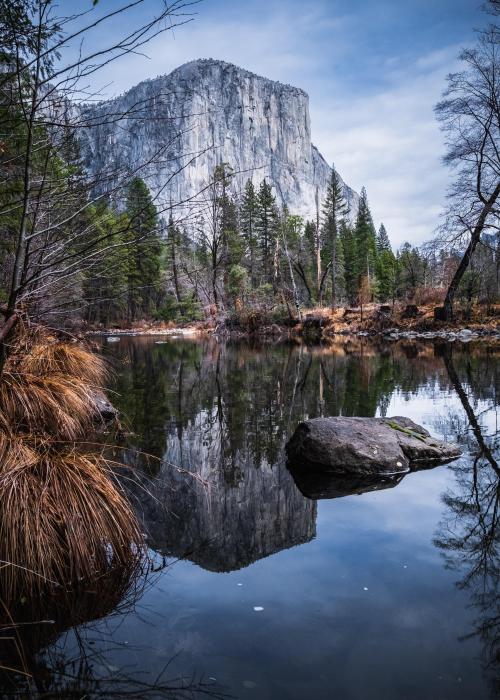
[(271, 588)]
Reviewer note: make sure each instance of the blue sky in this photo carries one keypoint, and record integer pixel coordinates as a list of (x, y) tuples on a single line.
[(373, 71)]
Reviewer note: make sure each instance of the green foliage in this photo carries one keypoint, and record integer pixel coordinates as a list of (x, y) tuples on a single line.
[(105, 285), (189, 309), (280, 314), (386, 275), (23, 38), (385, 267), (248, 222), (144, 248), (350, 253), (383, 242), (267, 228), (470, 284), (412, 270), (364, 235), (335, 210), (237, 281)]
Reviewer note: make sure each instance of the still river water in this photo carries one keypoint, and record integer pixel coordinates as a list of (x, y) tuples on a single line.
[(269, 587)]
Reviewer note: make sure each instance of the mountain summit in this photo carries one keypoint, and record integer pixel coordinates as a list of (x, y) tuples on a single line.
[(204, 113)]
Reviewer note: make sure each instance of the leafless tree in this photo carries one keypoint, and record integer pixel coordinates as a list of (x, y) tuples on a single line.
[(470, 117), (493, 7), (48, 65)]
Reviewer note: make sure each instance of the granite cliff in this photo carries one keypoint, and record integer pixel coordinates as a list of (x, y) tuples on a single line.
[(174, 129)]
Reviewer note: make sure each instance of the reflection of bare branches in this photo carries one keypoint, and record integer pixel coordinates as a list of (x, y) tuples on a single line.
[(469, 532), (61, 678), (51, 650), (452, 374)]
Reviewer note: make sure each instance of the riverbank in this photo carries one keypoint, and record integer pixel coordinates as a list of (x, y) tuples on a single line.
[(391, 322), (153, 328)]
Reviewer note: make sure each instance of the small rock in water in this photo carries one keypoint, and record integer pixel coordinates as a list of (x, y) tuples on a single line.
[(112, 339)]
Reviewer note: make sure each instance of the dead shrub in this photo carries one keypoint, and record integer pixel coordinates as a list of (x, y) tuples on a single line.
[(429, 296), (63, 518)]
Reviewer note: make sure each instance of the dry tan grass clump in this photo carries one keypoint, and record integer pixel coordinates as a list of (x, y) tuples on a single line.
[(48, 388), (63, 519)]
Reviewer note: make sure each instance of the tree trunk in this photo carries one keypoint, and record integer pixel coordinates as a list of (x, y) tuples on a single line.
[(296, 299), (462, 395), (276, 260), (334, 266), (10, 322), (300, 269), (465, 261), (318, 253), (174, 273)]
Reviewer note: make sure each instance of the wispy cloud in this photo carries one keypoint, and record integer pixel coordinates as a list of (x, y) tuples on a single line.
[(390, 142), (373, 73)]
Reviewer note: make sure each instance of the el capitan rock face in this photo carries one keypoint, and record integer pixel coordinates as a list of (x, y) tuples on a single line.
[(366, 446), (223, 113)]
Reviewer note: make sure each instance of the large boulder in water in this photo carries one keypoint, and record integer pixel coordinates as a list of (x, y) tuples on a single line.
[(371, 446)]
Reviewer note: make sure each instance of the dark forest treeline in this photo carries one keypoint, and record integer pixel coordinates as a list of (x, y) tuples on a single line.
[(243, 252)]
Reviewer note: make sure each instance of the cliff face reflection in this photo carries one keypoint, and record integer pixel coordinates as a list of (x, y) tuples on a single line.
[(218, 416), (371, 592)]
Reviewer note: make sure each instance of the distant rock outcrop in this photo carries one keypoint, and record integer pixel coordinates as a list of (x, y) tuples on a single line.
[(202, 114)]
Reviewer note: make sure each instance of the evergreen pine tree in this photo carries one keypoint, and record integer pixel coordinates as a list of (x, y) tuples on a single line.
[(364, 234), (172, 256), (340, 271), (385, 267), (248, 222), (267, 226), (412, 270), (383, 242), (334, 212), (144, 250), (232, 241), (350, 254), (105, 283)]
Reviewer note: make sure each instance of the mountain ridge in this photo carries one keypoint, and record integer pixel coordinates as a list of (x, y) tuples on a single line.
[(259, 126)]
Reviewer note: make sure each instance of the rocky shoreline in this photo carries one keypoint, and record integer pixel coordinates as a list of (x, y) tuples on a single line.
[(463, 335), (118, 332), (317, 333)]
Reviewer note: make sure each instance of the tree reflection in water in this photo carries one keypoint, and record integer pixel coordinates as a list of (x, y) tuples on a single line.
[(469, 533), (223, 412), (56, 647), (217, 417)]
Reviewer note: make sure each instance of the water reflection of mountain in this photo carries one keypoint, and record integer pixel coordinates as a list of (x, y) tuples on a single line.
[(222, 414), (218, 416), (222, 524)]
